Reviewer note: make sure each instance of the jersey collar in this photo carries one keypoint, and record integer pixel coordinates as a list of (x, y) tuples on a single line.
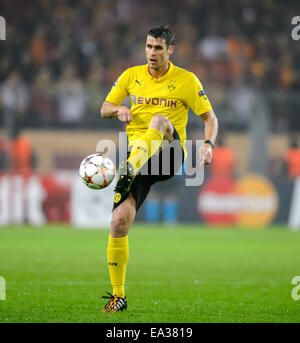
[(164, 76)]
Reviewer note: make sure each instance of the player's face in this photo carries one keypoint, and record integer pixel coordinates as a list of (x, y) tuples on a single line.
[(157, 52)]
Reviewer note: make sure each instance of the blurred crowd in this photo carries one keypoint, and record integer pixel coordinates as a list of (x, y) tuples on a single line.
[(60, 58)]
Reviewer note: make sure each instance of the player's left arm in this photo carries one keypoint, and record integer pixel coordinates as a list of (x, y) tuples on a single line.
[(200, 104), (211, 130)]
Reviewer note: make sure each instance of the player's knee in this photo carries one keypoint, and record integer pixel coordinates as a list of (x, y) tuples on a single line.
[(159, 122), (119, 225), (163, 124)]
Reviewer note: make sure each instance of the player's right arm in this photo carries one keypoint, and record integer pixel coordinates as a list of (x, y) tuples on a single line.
[(109, 110), (111, 107)]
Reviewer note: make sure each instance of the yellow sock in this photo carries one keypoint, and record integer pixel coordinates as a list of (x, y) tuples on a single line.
[(117, 256), (144, 147)]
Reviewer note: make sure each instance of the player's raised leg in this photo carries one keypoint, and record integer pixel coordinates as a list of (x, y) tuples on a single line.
[(142, 149), (118, 252)]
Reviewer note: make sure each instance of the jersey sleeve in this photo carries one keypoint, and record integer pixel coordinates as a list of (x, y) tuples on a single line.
[(119, 90), (197, 100)]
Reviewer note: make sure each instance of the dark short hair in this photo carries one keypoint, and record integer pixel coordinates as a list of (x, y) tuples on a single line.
[(162, 32)]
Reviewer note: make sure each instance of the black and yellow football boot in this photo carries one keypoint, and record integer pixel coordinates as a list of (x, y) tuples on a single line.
[(126, 177), (114, 303)]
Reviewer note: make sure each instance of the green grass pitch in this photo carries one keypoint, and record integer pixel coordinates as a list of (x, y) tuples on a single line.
[(186, 273)]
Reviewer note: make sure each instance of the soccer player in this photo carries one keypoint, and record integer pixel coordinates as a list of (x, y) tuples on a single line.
[(161, 95)]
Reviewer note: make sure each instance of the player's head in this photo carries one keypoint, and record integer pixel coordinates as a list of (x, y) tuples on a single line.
[(162, 32), (159, 46)]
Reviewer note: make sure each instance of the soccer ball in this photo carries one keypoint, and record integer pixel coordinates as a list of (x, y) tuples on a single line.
[(97, 171)]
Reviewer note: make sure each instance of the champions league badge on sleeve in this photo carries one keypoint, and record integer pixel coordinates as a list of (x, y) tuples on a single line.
[(116, 82), (202, 93)]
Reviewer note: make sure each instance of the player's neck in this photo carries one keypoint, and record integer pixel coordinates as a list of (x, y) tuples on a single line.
[(158, 73)]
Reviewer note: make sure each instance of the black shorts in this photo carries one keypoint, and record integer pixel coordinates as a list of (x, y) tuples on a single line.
[(143, 181)]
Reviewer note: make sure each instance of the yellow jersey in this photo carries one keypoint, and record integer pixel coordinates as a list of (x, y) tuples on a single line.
[(171, 95)]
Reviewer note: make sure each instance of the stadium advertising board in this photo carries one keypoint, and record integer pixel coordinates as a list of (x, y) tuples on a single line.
[(41, 199), (251, 201), (294, 215)]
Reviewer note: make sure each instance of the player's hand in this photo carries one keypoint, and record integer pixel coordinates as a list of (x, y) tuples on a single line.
[(205, 153), (124, 114)]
